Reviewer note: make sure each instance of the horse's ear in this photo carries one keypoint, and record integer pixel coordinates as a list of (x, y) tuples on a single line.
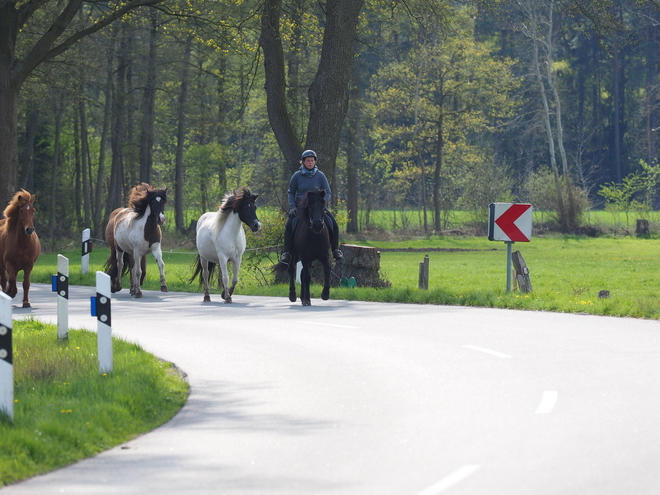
[(254, 197)]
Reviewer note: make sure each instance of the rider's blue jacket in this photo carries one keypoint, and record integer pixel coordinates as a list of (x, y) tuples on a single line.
[(303, 181)]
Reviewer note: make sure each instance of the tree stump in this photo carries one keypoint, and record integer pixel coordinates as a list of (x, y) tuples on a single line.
[(521, 272), (361, 263), (642, 227)]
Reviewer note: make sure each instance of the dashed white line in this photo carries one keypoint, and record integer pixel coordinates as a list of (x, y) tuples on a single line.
[(488, 351), (451, 480), (548, 402), (327, 324)]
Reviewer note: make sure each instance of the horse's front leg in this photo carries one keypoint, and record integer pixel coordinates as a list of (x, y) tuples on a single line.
[(223, 279), (292, 281), (26, 287), (11, 290), (305, 280), (158, 254), (236, 266), (325, 295)]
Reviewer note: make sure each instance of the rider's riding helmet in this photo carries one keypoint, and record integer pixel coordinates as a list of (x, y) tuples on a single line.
[(307, 153)]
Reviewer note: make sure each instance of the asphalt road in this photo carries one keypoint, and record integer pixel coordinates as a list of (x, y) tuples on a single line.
[(363, 398)]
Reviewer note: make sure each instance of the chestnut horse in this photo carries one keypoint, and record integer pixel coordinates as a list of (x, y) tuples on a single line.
[(19, 244), (135, 231)]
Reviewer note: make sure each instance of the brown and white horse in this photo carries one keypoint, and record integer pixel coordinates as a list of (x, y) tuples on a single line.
[(133, 232), (19, 244)]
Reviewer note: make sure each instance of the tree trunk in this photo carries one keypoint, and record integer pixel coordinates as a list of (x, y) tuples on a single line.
[(436, 174), (149, 108), (328, 93), (116, 191), (181, 137), (27, 172), (270, 41), (84, 154), (99, 221), (59, 111), (9, 142), (353, 153)]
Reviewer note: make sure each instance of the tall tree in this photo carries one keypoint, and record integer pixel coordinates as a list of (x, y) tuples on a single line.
[(329, 91), (32, 32)]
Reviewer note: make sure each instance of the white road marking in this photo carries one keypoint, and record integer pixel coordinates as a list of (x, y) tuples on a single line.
[(488, 351), (548, 402), (451, 480), (327, 324)]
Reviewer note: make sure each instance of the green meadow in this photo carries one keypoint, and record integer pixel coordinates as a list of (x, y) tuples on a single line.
[(567, 273)]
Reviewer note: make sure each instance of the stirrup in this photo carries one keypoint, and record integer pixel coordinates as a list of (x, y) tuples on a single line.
[(285, 259), (338, 255)]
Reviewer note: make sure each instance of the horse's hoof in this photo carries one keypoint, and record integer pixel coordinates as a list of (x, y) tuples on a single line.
[(228, 300), (137, 295), (26, 305), (163, 288), (207, 298), (292, 297), (307, 303), (325, 295)]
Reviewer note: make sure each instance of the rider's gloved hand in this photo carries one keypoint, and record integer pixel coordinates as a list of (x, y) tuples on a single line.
[(293, 212)]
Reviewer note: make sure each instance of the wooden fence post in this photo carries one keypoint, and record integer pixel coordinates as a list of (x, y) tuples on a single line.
[(521, 272), (423, 281)]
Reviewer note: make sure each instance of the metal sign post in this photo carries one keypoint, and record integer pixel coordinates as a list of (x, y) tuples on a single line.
[(509, 222)]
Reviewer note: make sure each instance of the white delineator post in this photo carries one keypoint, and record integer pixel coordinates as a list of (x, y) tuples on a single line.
[(6, 357), (86, 249), (104, 329), (62, 287)]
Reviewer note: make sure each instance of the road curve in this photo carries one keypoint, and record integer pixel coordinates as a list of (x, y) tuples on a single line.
[(364, 398)]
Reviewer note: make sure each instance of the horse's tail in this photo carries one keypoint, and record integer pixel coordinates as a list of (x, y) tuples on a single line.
[(197, 273), (110, 266), (280, 268)]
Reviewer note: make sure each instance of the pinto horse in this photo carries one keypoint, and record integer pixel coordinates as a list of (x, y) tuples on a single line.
[(19, 244), (134, 231), (311, 241), (221, 239)]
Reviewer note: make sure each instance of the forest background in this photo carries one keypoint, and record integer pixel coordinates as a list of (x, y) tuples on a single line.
[(428, 106)]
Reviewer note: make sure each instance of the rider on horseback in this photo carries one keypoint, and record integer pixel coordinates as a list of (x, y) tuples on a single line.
[(308, 178)]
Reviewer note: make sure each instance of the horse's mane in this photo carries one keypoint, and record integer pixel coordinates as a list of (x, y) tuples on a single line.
[(315, 194), (231, 203), (137, 192), (11, 211), (143, 197)]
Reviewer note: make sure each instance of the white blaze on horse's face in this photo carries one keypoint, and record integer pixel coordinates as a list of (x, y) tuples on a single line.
[(161, 215)]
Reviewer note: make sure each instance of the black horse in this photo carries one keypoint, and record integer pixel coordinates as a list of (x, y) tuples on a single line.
[(311, 241)]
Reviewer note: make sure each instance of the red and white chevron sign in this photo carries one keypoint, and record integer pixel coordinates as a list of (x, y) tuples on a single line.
[(510, 222)]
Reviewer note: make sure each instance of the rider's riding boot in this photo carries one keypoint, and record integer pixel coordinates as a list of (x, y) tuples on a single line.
[(285, 259), (338, 255)]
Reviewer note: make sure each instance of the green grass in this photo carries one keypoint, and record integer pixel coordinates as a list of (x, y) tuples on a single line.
[(567, 272), (65, 411)]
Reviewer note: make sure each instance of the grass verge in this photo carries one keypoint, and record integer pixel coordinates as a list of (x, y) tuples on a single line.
[(65, 411)]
